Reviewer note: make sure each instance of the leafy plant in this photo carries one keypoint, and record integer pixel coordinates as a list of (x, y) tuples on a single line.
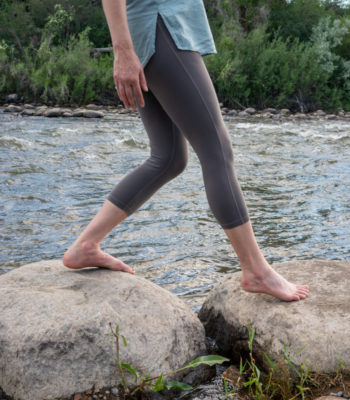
[(282, 381), (156, 383)]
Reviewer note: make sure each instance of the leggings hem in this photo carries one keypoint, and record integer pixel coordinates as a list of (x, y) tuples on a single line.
[(235, 223), (119, 204)]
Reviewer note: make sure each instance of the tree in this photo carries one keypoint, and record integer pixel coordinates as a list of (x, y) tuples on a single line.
[(295, 19)]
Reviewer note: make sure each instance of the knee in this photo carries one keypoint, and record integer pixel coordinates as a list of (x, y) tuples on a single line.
[(177, 164), (168, 165)]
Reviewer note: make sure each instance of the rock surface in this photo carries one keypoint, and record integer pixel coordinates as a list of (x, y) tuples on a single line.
[(53, 325), (315, 329)]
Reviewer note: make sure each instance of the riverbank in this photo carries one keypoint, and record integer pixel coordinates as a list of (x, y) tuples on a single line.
[(99, 111)]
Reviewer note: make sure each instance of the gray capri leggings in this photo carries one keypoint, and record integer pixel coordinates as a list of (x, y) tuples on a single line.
[(182, 105)]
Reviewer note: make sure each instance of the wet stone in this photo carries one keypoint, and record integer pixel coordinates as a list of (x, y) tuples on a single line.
[(13, 108), (53, 112), (331, 116), (92, 114), (243, 114), (250, 110), (270, 110), (28, 112), (300, 116)]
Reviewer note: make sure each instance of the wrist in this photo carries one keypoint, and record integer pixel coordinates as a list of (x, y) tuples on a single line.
[(123, 47)]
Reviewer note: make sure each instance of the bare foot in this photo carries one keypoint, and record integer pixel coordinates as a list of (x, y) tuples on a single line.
[(271, 282), (82, 255)]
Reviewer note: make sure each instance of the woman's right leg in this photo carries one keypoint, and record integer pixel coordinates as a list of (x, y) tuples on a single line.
[(168, 158)]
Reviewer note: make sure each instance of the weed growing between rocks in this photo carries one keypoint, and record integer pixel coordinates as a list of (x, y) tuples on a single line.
[(283, 381), (155, 383)]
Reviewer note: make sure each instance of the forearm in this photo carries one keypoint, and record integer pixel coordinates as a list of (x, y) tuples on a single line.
[(128, 73), (115, 12)]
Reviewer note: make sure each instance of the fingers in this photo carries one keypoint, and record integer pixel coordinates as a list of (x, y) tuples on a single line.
[(128, 88), (127, 94), (122, 95)]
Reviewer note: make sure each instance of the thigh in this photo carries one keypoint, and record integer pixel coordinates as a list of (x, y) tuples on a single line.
[(182, 85), (164, 135)]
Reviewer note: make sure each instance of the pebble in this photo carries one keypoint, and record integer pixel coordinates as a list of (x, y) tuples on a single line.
[(243, 114), (331, 116), (13, 109), (270, 110), (28, 111), (250, 110)]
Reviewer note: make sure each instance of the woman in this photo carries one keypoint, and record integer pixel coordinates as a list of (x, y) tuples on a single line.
[(158, 69)]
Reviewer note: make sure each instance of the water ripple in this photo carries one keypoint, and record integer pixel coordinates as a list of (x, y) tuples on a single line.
[(55, 174)]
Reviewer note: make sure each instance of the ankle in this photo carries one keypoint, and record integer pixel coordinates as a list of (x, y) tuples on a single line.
[(89, 245), (255, 266)]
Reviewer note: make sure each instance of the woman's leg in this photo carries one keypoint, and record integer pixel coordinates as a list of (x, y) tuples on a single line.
[(180, 82), (168, 158), (257, 274), (86, 252)]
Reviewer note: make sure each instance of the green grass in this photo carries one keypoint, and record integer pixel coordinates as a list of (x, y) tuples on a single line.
[(283, 380)]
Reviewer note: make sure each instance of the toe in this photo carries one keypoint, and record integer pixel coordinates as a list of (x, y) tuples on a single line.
[(302, 294), (120, 266)]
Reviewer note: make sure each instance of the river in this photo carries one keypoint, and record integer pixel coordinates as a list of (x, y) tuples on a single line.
[(56, 172)]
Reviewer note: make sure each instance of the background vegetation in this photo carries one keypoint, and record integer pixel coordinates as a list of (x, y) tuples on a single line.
[(274, 53)]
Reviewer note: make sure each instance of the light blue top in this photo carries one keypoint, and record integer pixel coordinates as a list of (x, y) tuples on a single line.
[(186, 21)]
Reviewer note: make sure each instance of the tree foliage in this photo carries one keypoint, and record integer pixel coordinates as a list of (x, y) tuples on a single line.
[(281, 53)]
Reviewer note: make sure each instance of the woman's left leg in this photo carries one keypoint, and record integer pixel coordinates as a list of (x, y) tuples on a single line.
[(180, 82), (86, 252)]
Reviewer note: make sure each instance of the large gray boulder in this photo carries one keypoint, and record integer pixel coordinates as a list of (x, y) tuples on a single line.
[(315, 329), (53, 325)]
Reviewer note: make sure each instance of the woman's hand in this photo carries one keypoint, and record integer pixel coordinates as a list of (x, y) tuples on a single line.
[(129, 78)]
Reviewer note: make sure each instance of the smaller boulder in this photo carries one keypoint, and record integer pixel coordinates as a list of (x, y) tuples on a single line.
[(331, 116), (250, 110), (314, 330), (285, 111), (53, 112), (28, 112), (12, 108), (40, 110), (270, 110), (92, 114), (93, 107), (300, 116), (243, 114)]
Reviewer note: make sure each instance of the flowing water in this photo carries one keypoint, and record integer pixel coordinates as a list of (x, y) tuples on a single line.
[(55, 173)]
